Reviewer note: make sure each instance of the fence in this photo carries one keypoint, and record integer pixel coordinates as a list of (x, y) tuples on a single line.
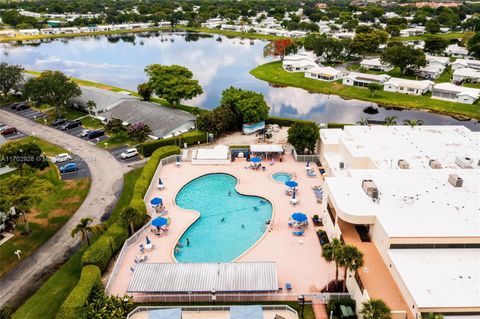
[(210, 309), (305, 158), (135, 237)]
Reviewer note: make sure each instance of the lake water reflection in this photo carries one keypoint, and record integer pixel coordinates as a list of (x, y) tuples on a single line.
[(216, 61)]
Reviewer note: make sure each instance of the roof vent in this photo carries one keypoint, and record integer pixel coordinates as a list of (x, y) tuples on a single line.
[(403, 164), (342, 165), (370, 188), (455, 180), (435, 164), (464, 162)]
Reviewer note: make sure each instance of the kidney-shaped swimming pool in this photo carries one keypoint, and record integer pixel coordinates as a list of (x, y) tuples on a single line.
[(229, 224)]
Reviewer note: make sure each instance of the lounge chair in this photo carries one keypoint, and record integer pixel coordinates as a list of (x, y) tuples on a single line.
[(288, 286), (298, 233)]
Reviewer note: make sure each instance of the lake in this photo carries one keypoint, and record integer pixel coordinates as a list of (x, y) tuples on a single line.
[(216, 61)]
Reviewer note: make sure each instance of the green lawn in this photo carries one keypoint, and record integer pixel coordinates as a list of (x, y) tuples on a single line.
[(446, 76), (47, 300), (92, 123), (395, 73), (472, 85), (48, 216), (449, 36), (273, 73), (116, 141), (236, 34)]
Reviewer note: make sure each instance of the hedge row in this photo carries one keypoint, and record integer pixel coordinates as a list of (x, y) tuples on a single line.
[(190, 138), (282, 121), (101, 251), (337, 125), (72, 307)]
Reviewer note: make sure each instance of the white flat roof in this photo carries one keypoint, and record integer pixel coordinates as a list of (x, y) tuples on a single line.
[(369, 77), (423, 84), (266, 148), (218, 152), (457, 89), (439, 278), (413, 203), (324, 70)]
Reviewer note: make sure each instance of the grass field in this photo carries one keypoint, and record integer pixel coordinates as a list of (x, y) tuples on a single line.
[(48, 216), (449, 36), (246, 35), (48, 299), (273, 73)]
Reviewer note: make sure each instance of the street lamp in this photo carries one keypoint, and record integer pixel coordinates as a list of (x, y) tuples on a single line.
[(301, 302)]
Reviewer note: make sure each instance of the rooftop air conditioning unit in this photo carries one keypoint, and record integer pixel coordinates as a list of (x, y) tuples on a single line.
[(403, 164), (369, 187), (464, 162), (342, 165), (455, 180), (435, 164)]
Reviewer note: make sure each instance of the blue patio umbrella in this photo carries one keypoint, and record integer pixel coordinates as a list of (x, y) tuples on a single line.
[(291, 183), (255, 160), (148, 241), (156, 201), (299, 217), (159, 222)]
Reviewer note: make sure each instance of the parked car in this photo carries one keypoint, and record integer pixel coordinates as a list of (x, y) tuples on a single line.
[(58, 122), (14, 105), (9, 130), (23, 106), (60, 158), (95, 133), (70, 167), (130, 152), (2, 126), (71, 124), (85, 133)]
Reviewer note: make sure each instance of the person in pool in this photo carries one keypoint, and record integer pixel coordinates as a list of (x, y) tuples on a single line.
[(223, 220), (243, 226), (229, 193)]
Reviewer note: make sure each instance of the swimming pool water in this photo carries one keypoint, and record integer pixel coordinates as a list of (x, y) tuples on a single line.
[(228, 224), (282, 177)]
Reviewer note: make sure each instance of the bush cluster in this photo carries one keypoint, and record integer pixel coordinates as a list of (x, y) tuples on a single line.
[(190, 138)]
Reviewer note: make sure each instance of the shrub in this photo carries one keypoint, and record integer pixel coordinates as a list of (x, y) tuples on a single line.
[(337, 125), (73, 306), (190, 138), (335, 303), (282, 121)]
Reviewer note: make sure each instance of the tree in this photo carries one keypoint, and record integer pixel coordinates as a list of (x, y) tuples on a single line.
[(172, 83), (390, 120), (85, 227), (431, 315), (219, 121), (331, 252), (473, 45), (250, 106), (432, 26), (304, 136), (374, 87), (375, 309), (405, 57), (53, 88), (128, 216), (10, 77), (114, 126), (351, 259), (101, 306), (138, 132), (20, 154), (363, 121), (145, 91), (90, 105), (412, 123), (435, 44), (393, 30), (279, 48)]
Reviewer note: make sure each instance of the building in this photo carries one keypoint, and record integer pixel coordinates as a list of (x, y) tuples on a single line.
[(418, 30), (405, 86), (364, 79), (465, 63), (325, 73), (50, 31), (408, 199), (298, 62), (457, 51), (7, 33), (466, 74), (376, 65), (455, 93), (29, 32), (439, 61), (430, 71)]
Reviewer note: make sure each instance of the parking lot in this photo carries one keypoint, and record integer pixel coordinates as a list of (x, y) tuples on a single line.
[(77, 131)]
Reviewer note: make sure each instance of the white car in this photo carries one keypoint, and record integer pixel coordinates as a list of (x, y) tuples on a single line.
[(131, 152), (60, 158), (85, 133)]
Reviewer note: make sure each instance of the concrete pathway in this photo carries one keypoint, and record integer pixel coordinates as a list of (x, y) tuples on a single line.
[(107, 179)]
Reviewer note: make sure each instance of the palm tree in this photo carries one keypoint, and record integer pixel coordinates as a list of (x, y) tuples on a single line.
[(351, 259), (363, 121), (375, 309), (390, 120), (431, 315), (90, 106), (128, 217), (412, 123), (84, 228), (332, 252)]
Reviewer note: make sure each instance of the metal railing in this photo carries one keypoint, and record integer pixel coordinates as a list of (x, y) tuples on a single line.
[(135, 237), (305, 158), (210, 309)]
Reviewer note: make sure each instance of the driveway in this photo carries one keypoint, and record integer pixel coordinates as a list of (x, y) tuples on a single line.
[(107, 178)]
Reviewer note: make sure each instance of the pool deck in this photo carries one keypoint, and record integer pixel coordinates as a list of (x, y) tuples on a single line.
[(298, 259)]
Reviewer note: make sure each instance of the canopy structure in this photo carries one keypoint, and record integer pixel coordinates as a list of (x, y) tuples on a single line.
[(156, 201), (255, 160), (246, 312), (299, 217), (266, 148), (172, 313), (159, 222), (291, 183)]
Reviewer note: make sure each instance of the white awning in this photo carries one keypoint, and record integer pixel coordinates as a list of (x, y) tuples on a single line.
[(266, 148)]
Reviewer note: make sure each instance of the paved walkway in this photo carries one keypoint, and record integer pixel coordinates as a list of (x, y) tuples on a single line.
[(107, 179)]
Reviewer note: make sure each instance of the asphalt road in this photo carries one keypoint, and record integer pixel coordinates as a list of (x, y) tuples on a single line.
[(107, 179)]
